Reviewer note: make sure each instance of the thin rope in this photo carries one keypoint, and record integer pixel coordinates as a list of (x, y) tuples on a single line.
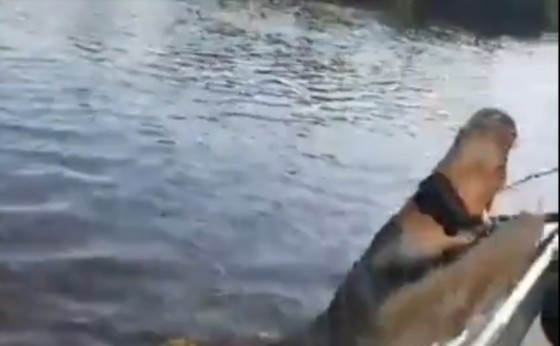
[(531, 177)]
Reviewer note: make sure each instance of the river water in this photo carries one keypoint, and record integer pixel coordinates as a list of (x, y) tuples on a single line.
[(205, 168)]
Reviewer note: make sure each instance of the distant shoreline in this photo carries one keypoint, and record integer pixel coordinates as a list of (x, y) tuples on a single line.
[(486, 17)]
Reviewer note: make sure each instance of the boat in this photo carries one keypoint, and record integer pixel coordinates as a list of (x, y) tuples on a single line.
[(529, 314)]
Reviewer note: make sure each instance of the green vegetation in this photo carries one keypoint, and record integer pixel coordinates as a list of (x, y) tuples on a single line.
[(514, 17), (551, 14)]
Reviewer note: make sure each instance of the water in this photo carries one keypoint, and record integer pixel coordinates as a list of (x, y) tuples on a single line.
[(198, 168)]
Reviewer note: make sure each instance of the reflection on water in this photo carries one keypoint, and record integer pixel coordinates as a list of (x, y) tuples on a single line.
[(212, 167)]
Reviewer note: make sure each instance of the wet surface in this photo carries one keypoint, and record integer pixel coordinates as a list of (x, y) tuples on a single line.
[(200, 168)]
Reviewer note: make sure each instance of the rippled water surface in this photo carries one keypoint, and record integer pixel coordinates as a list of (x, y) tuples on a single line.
[(203, 168)]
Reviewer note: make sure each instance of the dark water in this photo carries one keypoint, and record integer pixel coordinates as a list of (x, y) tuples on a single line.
[(201, 168)]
